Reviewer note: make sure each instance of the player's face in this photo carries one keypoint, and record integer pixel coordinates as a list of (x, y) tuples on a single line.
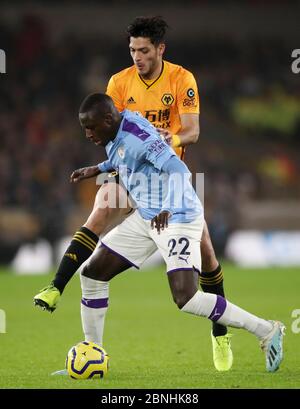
[(97, 129), (146, 56)]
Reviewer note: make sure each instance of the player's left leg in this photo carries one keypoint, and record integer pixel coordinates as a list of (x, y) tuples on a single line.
[(211, 281), (183, 284), (127, 245), (95, 278)]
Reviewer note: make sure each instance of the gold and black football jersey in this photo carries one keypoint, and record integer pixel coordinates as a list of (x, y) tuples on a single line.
[(161, 100)]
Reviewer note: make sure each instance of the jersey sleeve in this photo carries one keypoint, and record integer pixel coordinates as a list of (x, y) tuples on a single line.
[(187, 94), (149, 148), (157, 152), (115, 93), (173, 166), (105, 166)]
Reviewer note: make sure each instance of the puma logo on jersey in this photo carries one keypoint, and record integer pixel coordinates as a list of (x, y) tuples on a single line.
[(72, 256), (131, 101), (184, 259)]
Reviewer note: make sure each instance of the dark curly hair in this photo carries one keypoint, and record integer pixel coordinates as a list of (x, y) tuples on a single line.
[(153, 28)]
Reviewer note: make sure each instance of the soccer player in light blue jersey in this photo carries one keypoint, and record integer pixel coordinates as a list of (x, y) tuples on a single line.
[(140, 155), (167, 95), (169, 218)]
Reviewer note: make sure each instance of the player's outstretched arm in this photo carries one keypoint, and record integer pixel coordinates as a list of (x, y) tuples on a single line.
[(84, 173), (90, 171)]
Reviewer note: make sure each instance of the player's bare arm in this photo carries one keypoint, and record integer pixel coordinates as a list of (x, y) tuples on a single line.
[(84, 173), (189, 133)]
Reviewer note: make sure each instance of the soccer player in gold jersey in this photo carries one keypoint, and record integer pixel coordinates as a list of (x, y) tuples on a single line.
[(167, 95)]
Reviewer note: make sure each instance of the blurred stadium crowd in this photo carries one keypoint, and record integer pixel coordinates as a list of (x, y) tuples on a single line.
[(250, 126)]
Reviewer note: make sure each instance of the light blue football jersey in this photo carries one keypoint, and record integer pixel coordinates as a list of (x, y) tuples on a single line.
[(138, 154)]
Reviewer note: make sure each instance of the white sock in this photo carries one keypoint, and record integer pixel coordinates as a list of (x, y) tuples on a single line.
[(94, 305), (218, 309)]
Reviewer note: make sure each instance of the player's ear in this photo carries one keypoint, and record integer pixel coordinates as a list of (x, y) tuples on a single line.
[(108, 119), (161, 49)]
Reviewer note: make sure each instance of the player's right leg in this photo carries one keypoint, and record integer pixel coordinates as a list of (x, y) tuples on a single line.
[(179, 245), (183, 284), (111, 207)]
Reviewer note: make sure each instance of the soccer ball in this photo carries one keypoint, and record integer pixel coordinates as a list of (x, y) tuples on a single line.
[(87, 360)]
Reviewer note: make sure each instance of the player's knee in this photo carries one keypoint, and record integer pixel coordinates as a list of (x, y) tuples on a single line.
[(101, 214), (93, 270), (88, 272), (104, 214), (209, 259), (206, 244), (181, 298), (112, 196), (184, 285), (98, 220)]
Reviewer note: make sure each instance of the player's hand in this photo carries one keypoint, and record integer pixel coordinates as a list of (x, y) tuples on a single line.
[(160, 221), (84, 173), (165, 135)]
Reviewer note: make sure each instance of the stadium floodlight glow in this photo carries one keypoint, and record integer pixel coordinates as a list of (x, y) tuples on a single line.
[(2, 62)]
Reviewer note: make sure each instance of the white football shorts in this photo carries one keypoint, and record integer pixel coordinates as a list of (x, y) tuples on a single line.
[(135, 241)]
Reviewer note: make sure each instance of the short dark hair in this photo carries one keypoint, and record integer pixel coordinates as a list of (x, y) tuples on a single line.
[(150, 27), (100, 102)]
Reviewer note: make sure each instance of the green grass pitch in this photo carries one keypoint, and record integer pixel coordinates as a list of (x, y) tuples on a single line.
[(151, 344)]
